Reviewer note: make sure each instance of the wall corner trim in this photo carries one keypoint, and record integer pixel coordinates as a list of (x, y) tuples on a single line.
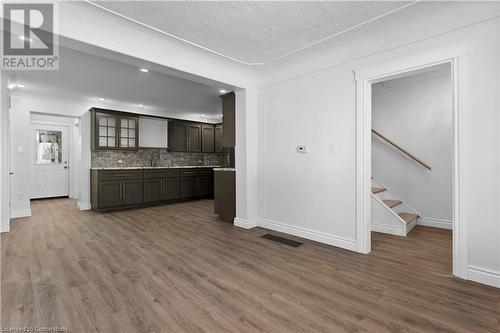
[(4, 227), (83, 206), (485, 276), (20, 213), (245, 224)]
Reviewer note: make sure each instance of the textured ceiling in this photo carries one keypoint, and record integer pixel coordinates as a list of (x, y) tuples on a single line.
[(252, 32), (84, 78)]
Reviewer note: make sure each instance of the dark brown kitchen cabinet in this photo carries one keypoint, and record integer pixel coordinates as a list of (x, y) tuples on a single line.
[(196, 183), (218, 148), (161, 185), (194, 138), (178, 136), (131, 192), (208, 138), (153, 190), (112, 130), (112, 189), (228, 120), (184, 136), (110, 194), (127, 188)]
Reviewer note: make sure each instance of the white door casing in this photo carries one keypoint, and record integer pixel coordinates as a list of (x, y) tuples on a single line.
[(364, 78), (49, 161)]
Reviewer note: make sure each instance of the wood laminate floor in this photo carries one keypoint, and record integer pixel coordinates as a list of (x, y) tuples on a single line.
[(177, 269)]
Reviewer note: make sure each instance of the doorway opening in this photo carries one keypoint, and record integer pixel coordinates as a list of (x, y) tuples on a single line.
[(53, 146), (453, 58), (412, 151)]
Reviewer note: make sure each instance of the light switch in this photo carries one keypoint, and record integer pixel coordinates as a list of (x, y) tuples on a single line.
[(333, 149), (20, 149)]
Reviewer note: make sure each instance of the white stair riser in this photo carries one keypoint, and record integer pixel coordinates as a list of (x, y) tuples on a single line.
[(385, 195)]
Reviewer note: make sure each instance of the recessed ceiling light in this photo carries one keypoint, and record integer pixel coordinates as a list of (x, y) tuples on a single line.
[(223, 91), (24, 38), (202, 115), (144, 70), (101, 99), (20, 85), (140, 105), (11, 86)]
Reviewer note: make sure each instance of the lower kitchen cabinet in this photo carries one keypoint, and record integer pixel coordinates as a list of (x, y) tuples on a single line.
[(171, 188), (118, 189), (131, 192), (192, 187), (115, 189), (110, 194), (153, 191), (161, 185), (196, 183)]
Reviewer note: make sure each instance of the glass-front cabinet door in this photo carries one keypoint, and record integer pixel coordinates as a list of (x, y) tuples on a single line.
[(128, 132), (106, 131), (115, 130)]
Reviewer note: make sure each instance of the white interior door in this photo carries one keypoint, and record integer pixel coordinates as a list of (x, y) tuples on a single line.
[(49, 169)]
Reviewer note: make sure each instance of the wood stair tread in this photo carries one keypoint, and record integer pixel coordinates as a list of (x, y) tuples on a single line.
[(408, 217), (376, 190), (392, 203)]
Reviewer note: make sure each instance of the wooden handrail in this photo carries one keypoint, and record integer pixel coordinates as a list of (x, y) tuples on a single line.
[(402, 150)]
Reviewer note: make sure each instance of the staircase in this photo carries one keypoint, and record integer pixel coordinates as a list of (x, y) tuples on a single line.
[(390, 215)]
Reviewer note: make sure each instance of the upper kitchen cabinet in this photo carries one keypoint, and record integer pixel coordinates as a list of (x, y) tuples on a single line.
[(194, 138), (207, 140), (114, 130), (191, 137), (228, 123), (218, 140)]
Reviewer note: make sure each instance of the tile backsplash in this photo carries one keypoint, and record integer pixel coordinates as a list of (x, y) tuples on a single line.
[(142, 158)]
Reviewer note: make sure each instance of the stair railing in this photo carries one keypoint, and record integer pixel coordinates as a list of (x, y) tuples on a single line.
[(402, 151)]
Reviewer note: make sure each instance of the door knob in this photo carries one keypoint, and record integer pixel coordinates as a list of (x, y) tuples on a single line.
[(65, 167)]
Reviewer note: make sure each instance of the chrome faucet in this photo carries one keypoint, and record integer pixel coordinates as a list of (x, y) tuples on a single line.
[(155, 156)]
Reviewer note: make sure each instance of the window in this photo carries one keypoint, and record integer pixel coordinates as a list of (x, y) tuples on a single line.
[(48, 147)]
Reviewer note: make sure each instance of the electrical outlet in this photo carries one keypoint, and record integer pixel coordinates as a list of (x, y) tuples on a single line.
[(120, 161)]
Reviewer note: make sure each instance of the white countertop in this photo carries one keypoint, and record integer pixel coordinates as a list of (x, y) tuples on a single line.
[(215, 167), (224, 169)]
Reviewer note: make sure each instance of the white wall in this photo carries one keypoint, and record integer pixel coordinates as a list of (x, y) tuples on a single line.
[(415, 112), (4, 152), (310, 99)]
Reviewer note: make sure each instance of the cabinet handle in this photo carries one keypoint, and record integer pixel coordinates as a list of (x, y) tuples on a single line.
[(121, 191), (161, 188)]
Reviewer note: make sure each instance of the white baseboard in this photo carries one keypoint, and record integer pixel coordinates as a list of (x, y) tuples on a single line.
[(14, 214), (436, 223), (245, 224), (388, 229), (83, 206), (4, 227), (484, 276), (317, 236)]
